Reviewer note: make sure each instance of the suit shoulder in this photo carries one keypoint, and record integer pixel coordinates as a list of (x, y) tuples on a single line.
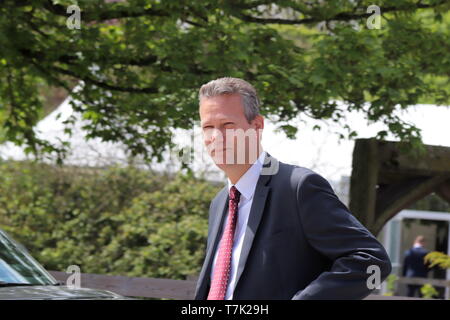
[(298, 174), (299, 171), (219, 193)]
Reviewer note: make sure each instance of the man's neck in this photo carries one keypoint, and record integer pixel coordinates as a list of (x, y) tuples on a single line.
[(235, 172)]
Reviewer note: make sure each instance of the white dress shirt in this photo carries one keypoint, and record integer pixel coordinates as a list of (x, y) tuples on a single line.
[(246, 186)]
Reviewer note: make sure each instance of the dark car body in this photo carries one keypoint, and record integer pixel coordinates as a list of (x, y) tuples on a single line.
[(23, 278), (52, 292)]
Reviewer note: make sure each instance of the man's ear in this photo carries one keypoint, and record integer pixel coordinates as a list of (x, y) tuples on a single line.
[(259, 121)]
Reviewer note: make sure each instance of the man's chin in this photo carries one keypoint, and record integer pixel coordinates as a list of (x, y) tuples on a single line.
[(223, 163), (220, 160)]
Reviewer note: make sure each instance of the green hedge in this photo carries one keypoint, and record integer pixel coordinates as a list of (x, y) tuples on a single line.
[(121, 221)]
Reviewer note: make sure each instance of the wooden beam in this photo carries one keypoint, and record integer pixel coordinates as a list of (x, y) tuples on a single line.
[(423, 281), (435, 160), (364, 180), (444, 191), (380, 297), (387, 179), (396, 197)]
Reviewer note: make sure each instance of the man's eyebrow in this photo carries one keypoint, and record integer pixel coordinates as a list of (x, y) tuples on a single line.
[(220, 119)]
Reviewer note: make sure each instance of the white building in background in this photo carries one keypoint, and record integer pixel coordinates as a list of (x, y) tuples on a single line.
[(321, 151)]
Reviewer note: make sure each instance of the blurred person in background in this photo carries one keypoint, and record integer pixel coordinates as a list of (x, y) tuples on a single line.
[(414, 265)]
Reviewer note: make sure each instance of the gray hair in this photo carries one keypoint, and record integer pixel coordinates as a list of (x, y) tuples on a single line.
[(230, 85)]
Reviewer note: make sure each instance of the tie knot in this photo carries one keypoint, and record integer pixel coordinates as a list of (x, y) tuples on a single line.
[(234, 194)]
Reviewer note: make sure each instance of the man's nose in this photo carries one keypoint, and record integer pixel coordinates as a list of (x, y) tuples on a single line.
[(216, 136)]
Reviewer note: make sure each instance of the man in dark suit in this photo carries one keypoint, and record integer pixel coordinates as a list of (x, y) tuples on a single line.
[(276, 231), (414, 265)]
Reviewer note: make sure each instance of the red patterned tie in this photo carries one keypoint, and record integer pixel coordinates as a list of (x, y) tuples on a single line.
[(223, 264)]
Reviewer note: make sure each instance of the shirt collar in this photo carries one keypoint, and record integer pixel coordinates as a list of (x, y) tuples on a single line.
[(246, 185)]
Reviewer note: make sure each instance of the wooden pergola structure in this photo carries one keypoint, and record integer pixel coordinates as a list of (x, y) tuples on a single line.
[(386, 179)]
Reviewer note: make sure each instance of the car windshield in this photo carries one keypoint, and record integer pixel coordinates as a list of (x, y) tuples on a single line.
[(18, 266)]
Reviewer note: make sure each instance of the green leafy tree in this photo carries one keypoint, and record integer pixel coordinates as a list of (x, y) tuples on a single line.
[(433, 259), (140, 63), (391, 285), (439, 259), (428, 291)]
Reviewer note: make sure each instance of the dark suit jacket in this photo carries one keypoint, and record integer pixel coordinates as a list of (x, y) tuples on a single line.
[(301, 242), (413, 264)]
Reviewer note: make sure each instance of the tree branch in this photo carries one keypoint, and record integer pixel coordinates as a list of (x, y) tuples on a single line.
[(104, 85), (343, 16), (68, 60), (107, 14)]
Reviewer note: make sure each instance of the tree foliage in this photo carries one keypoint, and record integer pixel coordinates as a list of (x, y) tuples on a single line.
[(141, 62), (439, 259)]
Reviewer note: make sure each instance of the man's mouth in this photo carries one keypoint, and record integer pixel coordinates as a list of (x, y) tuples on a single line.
[(219, 149)]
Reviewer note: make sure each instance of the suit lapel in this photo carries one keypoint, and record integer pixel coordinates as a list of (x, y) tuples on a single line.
[(270, 168), (220, 208), (218, 223)]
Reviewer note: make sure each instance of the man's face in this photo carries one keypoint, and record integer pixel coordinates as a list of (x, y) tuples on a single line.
[(227, 135)]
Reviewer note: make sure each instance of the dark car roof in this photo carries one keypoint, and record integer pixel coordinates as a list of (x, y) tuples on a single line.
[(55, 293)]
